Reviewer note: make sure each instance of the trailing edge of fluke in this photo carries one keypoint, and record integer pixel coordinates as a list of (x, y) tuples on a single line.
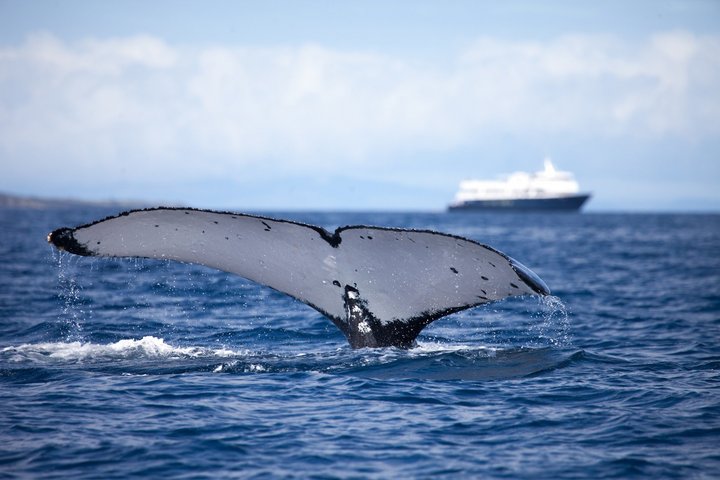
[(380, 286)]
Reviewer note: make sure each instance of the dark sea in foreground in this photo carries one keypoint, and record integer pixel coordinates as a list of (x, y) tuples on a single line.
[(139, 368)]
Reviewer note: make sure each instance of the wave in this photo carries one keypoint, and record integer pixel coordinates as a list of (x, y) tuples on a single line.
[(154, 356), (433, 362)]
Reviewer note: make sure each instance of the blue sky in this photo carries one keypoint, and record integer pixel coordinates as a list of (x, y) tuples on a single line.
[(358, 105)]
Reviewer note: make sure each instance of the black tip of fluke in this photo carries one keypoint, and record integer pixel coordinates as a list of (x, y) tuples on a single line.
[(530, 278), (63, 239)]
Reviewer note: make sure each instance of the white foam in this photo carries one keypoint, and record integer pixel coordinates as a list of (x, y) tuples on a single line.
[(435, 347), (146, 347), (424, 349)]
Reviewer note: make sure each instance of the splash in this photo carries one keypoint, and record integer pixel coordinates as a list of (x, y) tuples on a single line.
[(70, 294), (555, 325), (148, 347)]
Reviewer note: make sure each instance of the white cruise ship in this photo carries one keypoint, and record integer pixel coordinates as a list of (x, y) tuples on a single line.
[(550, 190)]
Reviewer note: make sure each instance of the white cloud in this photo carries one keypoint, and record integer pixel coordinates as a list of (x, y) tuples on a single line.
[(140, 104)]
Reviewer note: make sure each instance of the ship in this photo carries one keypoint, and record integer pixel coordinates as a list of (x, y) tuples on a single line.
[(547, 190)]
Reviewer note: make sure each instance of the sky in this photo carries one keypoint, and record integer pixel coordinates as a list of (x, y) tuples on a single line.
[(358, 105)]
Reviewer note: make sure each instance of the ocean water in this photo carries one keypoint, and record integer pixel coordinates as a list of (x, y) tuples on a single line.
[(146, 369)]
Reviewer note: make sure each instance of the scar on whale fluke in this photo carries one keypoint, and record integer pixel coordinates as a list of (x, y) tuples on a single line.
[(380, 286)]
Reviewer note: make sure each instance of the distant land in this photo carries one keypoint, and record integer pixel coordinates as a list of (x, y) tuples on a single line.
[(8, 200)]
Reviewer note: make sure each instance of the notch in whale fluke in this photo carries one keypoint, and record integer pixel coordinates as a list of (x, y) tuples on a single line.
[(401, 279)]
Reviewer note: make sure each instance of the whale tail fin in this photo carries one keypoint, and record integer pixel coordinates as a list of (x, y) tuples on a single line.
[(379, 286)]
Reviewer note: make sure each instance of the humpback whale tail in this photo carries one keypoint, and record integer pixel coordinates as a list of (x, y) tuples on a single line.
[(380, 286)]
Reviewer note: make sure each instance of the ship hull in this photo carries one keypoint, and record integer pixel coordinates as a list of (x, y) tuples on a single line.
[(558, 204)]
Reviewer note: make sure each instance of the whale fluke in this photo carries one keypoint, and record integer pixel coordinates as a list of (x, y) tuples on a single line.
[(380, 286)]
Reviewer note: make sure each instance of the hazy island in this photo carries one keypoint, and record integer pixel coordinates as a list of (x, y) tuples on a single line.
[(8, 200)]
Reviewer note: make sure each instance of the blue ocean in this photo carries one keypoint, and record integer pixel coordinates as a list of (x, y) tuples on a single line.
[(124, 368)]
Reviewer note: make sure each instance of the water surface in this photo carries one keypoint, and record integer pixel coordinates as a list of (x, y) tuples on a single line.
[(137, 368)]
